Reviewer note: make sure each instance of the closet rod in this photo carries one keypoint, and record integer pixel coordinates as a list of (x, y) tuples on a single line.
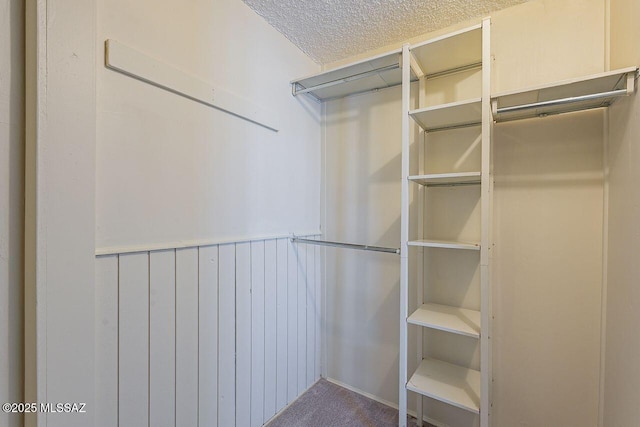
[(562, 101), (453, 184), (343, 80), (347, 245), (455, 70), (452, 127)]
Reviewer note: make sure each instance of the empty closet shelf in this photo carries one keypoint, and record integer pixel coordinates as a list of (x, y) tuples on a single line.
[(450, 53), (445, 244), (452, 384), (584, 93), (449, 116), (447, 318), (373, 73), (446, 179)]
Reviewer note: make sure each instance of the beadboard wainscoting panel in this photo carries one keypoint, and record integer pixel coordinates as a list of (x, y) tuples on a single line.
[(270, 328), (224, 335), (162, 338)]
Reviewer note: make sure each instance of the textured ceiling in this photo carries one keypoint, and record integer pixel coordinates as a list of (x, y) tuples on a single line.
[(329, 30)]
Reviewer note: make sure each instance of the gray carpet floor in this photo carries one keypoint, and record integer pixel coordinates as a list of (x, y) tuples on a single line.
[(329, 405)]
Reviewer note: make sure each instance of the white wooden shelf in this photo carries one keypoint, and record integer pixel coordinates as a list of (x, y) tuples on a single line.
[(452, 52), (449, 319), (458, 178), (448, 116), (445, 244), (373, 73), (595, 91), (452, 384)]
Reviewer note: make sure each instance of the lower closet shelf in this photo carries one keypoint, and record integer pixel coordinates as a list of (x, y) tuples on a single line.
[(452, 384), (449, 319), (458, 178)]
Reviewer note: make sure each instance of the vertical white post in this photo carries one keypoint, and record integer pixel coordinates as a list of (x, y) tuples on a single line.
[(422, 192), (404, 236), (486, 201), (60, 120)]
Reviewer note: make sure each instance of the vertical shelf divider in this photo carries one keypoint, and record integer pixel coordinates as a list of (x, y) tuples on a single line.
[(404, 236), (421, 226), (486, 188)]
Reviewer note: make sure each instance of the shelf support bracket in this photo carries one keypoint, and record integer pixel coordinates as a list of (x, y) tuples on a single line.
[(631, 82)]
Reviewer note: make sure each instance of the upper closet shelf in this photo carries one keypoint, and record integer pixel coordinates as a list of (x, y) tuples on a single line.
[(451, 53), (598, 90), (373, 73)]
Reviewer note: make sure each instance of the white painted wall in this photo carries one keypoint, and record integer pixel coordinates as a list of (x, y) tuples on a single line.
[(547, 270), (172, 170), (113, 161), (11, 205), (537, 42), (363, 206), (224, 334), (622, 351)]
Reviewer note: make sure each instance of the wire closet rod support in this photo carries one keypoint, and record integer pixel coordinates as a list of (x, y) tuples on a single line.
[(347, 245)]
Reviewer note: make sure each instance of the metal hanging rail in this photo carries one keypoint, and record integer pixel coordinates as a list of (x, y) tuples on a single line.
[(346, 245), (455, 70), (596, 91), (461, 126), (453, 184), (563, 101)]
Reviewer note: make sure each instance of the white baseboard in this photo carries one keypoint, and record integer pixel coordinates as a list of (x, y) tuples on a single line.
[(363, 393)]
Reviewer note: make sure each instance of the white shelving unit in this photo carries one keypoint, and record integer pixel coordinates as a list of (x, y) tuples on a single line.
[(462, 387), (464, 51)]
